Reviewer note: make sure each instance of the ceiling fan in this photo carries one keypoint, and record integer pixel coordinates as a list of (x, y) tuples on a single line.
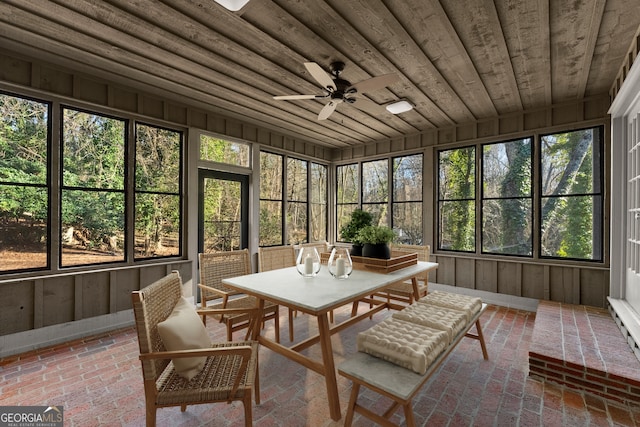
[(338, 90)]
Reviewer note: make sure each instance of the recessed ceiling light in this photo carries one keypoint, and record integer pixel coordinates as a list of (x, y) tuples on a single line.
[(399, 107), (232, 5)]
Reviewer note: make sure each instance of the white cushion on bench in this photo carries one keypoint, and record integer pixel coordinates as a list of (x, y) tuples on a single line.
[(406, 344), (442, 318), (467, 304)]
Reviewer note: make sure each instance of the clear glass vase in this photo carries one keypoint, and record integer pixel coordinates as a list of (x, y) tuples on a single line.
[(340, 264), (308, 262)]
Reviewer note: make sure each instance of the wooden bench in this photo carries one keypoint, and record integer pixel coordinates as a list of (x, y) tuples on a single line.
[(396, 382)]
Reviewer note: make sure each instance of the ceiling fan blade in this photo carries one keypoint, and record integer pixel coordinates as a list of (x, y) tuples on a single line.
[(298, 97), (374, 83), (320, 75), (369, 106), (327, 110)]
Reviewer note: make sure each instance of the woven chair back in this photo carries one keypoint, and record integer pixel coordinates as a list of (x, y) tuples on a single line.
[(275, 257), (152, 305), (222, 265), (423, 251), (320, 246)]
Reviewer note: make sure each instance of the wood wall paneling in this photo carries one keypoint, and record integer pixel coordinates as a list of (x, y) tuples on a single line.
[(17, 307)]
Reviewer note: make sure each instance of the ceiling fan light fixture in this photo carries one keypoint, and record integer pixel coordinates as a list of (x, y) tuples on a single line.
[(398, 107), (232, 5)]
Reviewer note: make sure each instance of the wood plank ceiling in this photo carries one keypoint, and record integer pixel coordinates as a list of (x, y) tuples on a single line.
[(458, 61)]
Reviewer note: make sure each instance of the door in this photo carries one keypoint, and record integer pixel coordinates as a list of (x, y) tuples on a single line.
[(223, 211)]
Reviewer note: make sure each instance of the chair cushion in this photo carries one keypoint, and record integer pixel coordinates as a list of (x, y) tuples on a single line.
[(184, 330), (406, 344)]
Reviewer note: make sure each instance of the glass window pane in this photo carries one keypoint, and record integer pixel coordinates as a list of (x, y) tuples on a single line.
[(296, 223), (457, 174), (297, 180), (158, 192), (344, 216), (24, 129), (318, 222), (379, 211), (347, 186), (92, 227), (157, 159), (570, 162), (375, 178), (318, 208), (507, 226), (270, 176), (571, 213), (270, 223), (222, 151), (457, 226), (407, 222), (23, 227), (407, 178), (506, 169), (574, 229), (222, 215), (157, 225), (93, 151)]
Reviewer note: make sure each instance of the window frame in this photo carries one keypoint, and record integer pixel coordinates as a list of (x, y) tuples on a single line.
[(47, 185), (180, 192), (536, 197)]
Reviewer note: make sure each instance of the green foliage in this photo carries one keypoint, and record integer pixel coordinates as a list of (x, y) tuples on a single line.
[(376, 234), (457, 190), (359, 220)]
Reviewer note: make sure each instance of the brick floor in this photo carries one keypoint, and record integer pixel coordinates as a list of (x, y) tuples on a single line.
[(98, 381)]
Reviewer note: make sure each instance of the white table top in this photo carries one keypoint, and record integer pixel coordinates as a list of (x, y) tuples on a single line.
[(322, 293)]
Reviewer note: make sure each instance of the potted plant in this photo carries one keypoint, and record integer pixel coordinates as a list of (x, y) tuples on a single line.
[(376, 239), (349, 231)]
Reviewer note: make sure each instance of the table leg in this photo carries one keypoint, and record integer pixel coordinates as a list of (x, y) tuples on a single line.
[(257, 322), (329, 366)]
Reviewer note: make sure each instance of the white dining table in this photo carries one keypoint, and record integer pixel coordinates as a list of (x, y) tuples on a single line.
[(317, 296)]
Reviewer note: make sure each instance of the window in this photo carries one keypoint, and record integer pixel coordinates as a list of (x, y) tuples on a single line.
[(222, 151), (318, 203), (507, 204), (456, 199), (571, 195), (375, 190), (346, 194), (271, 174), (158, 192), (94, 216), (569, 207), (407, 199), (296, 201), (305, 202), (93, 188), (24, 170)]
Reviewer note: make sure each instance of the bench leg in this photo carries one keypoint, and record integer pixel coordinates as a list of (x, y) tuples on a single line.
[(408, 415), (481, 338), (348, 419)]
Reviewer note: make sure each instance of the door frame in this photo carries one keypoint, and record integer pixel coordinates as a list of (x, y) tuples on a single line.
[(244, 203)]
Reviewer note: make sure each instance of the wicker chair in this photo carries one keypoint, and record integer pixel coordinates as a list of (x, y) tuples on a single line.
[(229, 373), (403, 292), (214, 267), (273, 258)]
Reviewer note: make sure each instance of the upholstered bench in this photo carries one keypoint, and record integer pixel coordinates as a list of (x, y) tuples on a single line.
[(397, 356)]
